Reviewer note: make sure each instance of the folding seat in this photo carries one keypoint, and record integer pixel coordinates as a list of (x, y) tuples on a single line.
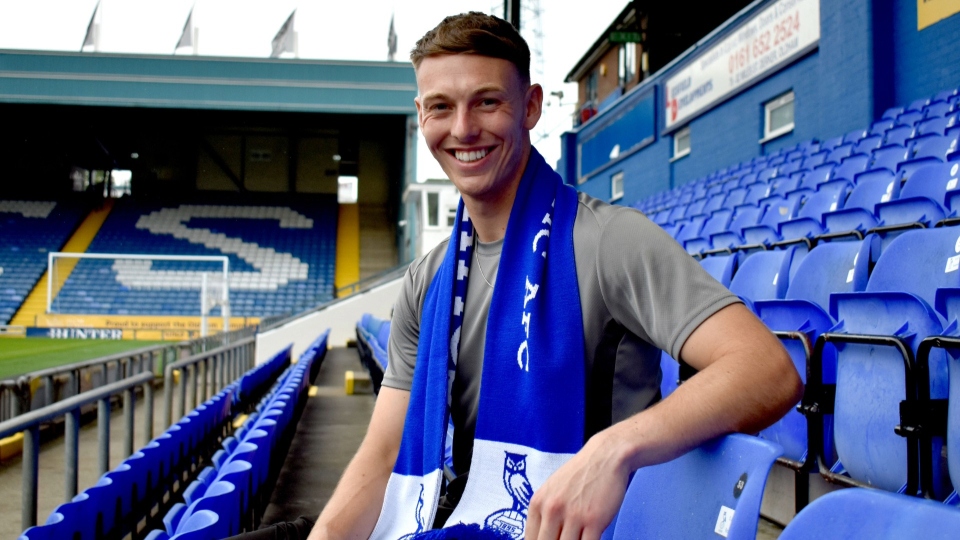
[(922, 199), (240, 474), (854, 136), (223, 499), (857, 215), (695, 208), (937, 125), (828, 268), (839, 153), (809, 221), (53, 529), (778, 210), (203, 525), (79, 518), (743, 216), (784, 184), (881, 126), (677, 213), (789, 167), (888, 157), (104, 499), (937, 109), (765, 275), (765, 175), (692, 488), (813, 160), (734, 198), (892, 113), (870, 514), (917, 105), (722, 267), (755, 192), (830, 144), (928, 150), (910, 118), (718, 222), (868, 144), (173, 517), (871, 375), (851, 166)]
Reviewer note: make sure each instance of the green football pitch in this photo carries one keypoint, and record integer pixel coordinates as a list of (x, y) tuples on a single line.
[(19, 356)]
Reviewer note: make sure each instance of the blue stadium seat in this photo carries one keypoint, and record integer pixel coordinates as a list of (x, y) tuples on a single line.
[(888, 157), (870, 514), (899, 134), (722, 267), (828, 268), (922, 199), (871, 379), (743, 216), (683, 497), (718, 222), (203, 525), (778, 210), (765, 275), (857, 214), (223, 499), (808, 224)]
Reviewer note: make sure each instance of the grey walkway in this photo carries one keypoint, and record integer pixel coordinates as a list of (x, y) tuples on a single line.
[(329, 433)]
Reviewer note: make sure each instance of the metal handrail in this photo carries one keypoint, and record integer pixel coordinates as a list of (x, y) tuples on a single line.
[(229, 362), (29, 424), (17, 394)]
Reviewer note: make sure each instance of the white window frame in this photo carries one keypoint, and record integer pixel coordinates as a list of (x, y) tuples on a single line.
[(677, 135), (615, 193), (768, 109)]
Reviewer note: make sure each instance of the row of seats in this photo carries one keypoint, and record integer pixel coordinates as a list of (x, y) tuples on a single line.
[(172, 469), (228, 495), (278, 256), (373, 334), (28, 231)]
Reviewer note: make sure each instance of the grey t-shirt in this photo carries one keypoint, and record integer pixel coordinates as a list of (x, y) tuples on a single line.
[(640, 292)]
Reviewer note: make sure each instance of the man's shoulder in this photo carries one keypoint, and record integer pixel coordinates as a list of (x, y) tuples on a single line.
[(423, 268)]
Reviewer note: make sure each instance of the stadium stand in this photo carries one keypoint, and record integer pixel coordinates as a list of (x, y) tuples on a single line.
[(279, 256), (174, 482), (28, 231)]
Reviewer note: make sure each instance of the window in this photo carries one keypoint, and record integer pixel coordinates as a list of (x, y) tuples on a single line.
[(347, 187), (433, 209), (778, 117), (681, 143), (591, 94), (628, 63), (616, 186), (119, 183)]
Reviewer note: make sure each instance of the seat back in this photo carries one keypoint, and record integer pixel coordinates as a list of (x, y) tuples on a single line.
[(722, 267), (765, 275), (870, 514), (715, 488), (889, 157)]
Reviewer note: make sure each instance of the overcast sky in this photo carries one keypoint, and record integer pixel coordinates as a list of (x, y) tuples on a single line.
[(342, 30)]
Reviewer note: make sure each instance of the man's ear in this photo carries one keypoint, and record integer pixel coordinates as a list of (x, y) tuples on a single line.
[(534, 106), (416, 101)]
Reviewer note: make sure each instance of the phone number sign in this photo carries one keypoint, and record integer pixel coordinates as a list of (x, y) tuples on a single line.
[(763, 44)]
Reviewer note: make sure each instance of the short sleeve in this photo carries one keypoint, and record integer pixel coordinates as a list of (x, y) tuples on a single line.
[(404, 335), (651, 285)]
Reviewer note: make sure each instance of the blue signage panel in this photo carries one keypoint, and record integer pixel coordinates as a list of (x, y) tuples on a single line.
[(625, 129)]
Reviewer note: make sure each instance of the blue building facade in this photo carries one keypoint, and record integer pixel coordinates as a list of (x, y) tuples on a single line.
[(870, 55)]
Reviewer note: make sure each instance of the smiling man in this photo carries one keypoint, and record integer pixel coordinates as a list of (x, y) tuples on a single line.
[(536, 331)]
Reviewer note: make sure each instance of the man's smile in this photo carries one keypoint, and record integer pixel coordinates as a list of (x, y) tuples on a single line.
[(471, 156)]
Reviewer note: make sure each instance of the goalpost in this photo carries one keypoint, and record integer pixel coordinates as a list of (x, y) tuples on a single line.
[(136, 272)]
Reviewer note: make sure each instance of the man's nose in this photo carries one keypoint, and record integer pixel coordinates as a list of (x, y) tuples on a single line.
[(465, 125)]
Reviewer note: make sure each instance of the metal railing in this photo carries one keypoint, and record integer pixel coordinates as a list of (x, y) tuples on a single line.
[(47, 386), (205, 374), (70, 408)]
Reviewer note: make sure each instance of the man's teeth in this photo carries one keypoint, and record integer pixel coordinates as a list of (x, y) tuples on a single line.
[(470, 156)]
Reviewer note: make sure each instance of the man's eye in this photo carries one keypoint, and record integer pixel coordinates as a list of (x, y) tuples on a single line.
[(489, 102), (439, 107)]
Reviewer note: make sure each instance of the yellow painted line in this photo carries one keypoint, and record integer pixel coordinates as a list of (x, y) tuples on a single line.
[(36, 302), (314, 390), (239, 421), (348, 246), (348, 383), (11, 447)]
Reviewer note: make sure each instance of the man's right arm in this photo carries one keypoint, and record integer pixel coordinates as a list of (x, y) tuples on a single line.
[(354, 508)]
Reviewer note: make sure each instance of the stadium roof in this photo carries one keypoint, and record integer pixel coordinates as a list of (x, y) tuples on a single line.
[(192, 82)]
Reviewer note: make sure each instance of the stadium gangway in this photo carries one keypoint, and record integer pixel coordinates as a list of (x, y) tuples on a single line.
[(217, 367), (57, 383), (29, 424)]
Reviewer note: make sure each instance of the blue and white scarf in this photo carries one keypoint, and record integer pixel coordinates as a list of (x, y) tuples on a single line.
[(531, 413)]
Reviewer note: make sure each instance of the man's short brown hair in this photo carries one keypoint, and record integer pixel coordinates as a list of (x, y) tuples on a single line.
[(475, 33)]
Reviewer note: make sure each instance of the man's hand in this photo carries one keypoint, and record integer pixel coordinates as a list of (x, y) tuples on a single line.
[(581, 498)]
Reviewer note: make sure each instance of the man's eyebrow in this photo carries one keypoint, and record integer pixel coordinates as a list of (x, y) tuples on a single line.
[(482, 90)]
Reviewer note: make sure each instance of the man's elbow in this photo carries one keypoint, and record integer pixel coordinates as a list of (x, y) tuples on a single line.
[(784, 384)]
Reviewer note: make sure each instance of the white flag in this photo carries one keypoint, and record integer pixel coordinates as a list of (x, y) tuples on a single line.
[(92, 30), (186, 38), (284, 42), (391, 41)]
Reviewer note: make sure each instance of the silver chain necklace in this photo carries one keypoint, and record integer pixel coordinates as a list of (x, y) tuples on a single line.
[(476, 254)]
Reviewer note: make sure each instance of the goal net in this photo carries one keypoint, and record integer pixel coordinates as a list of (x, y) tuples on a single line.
[(125, 284)]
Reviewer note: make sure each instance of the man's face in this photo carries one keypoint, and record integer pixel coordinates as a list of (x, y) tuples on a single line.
[(476, 115)]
